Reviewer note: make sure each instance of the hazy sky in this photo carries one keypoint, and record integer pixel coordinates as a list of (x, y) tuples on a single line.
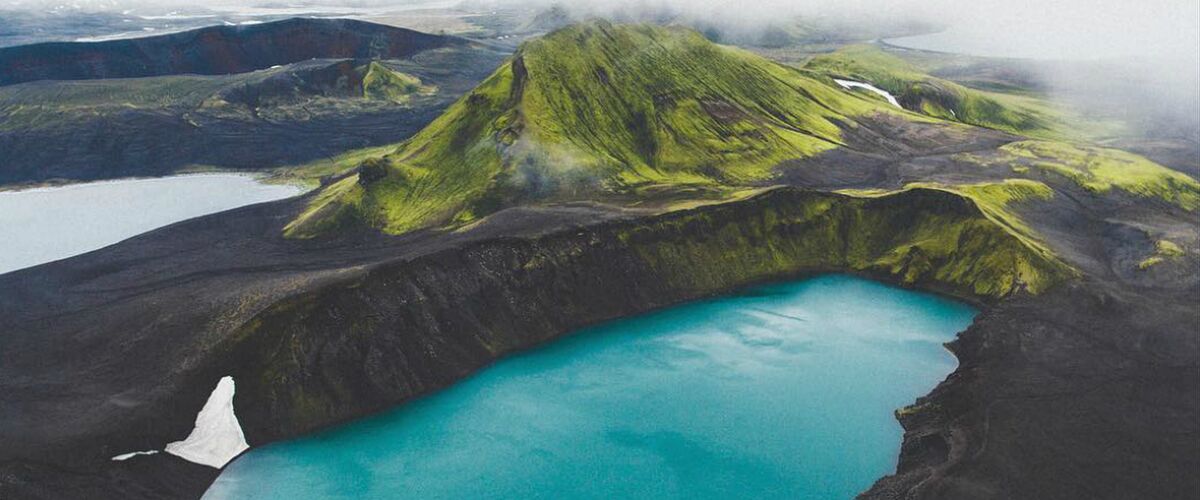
[(1046, 28), (1152, 46)]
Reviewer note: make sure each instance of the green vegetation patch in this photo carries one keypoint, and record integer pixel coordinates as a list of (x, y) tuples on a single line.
[(997, 201), (599, 108), (1101, 170), (1164, 250), (647, 104), (918, 236), (309, 174), (941, 98), (383, 84)]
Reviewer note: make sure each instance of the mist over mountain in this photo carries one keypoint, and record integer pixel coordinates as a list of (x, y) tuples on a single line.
[(1065, 29), (1138, 61), (1151, 45)]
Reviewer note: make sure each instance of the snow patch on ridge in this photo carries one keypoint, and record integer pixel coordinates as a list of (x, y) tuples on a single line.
[(127, 456), (217, 437), (849, 84)]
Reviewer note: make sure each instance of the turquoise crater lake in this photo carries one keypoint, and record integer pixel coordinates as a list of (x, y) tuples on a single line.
[(781, 391)]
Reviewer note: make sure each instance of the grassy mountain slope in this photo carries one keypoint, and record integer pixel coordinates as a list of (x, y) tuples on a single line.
[(996, 202), (595, 108), (1060, 148), (1100, 170), (941, 98), (1096, 170), (382, 83)]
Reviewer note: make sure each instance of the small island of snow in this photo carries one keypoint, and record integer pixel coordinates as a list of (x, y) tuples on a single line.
[(217, 437)]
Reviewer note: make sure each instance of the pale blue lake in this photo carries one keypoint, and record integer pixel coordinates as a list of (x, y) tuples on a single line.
[(47, 224), (782, 391)]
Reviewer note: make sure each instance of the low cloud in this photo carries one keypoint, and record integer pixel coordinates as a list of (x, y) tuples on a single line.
[(1143, 54)]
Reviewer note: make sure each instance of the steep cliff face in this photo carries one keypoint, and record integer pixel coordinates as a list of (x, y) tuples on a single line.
[(405, 329)]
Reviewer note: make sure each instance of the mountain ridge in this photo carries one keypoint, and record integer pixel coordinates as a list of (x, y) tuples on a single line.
[(215, 50), (597, 108)]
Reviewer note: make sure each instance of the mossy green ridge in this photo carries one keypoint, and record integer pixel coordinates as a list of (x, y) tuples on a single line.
[(601, 108), (919, 235), (997, 201), (1163, 250), (1101, 170), (381, 83), (936, 97)]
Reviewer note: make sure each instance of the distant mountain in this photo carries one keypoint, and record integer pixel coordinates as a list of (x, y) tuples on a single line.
[(215, 50), (550, 19), (288, 115)]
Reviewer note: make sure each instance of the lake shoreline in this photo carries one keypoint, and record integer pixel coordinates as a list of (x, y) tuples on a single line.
[(516, 281), (649, 374), (48, 223), (266, 177), (572, 238)]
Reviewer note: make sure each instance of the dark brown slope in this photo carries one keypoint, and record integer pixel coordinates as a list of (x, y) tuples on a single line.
[(216, 50)]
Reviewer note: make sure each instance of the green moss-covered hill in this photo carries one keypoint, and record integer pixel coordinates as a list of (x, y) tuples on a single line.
[(940, 98), (591, 108), (662, 118)]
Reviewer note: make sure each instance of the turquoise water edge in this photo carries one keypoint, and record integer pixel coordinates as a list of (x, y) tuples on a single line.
[(781, 391)]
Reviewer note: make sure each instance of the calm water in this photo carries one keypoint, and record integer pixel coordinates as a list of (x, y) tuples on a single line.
[(785, 391), (46, 224)]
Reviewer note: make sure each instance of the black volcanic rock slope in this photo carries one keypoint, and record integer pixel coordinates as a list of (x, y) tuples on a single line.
[(221, 295), (1090, 388), (214, 51)]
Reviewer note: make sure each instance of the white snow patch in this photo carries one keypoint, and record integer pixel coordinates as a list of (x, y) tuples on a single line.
[(849, 84), (128, 456), (218, 436)]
